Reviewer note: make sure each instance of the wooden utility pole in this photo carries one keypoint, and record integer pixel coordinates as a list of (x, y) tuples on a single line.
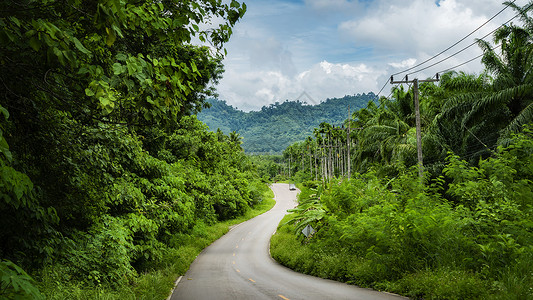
[(417, 118)]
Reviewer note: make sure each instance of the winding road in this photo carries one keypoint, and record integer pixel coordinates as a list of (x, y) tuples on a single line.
[(239, 266)]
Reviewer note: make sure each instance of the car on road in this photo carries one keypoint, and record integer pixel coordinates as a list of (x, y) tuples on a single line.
[(292, 186)]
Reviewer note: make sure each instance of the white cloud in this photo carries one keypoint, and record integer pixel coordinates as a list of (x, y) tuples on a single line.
[(415, 26), (321, 81), (328, 80), (331, 48), (403, 64)]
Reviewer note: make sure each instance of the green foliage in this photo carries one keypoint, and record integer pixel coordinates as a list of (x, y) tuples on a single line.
[(464, 230), (16, 284), (310, 211), (469, 238), (467, 114), (121, 60), (56, 281), (101, 164), (275, 127), (340, 198), (103, 255), (516, 281), (445, 283), (268, 166), (125, 220), (18, 205)]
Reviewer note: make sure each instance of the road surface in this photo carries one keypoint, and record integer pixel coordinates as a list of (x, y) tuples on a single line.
[(239, 266)]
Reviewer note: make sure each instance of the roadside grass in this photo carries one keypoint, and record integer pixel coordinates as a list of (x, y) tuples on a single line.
[(287, 250), (516, 282), (447, 282), (158, 283), (443, 283)]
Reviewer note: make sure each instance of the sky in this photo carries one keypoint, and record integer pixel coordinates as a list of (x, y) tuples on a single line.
[(311, 50)]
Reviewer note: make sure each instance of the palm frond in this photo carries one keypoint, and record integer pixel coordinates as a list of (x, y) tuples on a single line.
[(525, 117), (404, 152), (309, 210), (501, 34), (523, 11), (462, 82), (497, 101), (460, 105), (490, 59)]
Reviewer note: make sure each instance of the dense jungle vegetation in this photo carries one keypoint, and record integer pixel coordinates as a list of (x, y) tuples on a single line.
[(275, 127), (462, 231), (109, 185)]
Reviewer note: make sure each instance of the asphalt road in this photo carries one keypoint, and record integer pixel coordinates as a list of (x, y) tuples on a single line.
[(238, 266)]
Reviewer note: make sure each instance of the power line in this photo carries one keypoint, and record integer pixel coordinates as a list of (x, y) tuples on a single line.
[(397, 84), (386, 82), (462, 64), (456, 43), (466, 62), (440, 72), (413, 67), (472, 44)]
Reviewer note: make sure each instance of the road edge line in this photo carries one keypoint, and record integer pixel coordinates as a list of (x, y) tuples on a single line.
[(174, 288)]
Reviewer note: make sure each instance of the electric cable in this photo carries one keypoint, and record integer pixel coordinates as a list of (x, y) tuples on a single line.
[(466, 62), (456, 43), (386, 82), (472, 44)]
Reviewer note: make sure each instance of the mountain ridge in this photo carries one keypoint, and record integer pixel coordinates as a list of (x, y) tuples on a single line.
[(276, 126)]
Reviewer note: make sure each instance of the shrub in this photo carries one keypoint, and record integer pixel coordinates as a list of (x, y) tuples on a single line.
[(15, 283)]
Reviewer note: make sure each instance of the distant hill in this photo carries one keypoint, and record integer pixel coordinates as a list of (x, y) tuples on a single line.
[(275, 127)]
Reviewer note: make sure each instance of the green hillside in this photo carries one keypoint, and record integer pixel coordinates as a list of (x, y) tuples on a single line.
[(275, 127)]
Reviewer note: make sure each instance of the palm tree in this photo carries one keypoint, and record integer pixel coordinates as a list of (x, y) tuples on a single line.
[(235, 139), (513, 72), (403, 104), (513, 78), (448, 131), (486, 109), (388, 133)]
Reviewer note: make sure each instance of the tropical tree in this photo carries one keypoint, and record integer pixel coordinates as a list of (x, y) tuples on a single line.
[(113, 61), (447, 104), (97, 148), (235, 139), (513, 78), (491, 108), (388, 133)]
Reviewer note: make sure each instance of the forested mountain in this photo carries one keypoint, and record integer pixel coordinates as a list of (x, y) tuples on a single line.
[(275, 127)]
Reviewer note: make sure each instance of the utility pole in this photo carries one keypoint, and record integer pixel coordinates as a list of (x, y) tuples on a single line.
[(348, 141), (290, 156), (417, 118)]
